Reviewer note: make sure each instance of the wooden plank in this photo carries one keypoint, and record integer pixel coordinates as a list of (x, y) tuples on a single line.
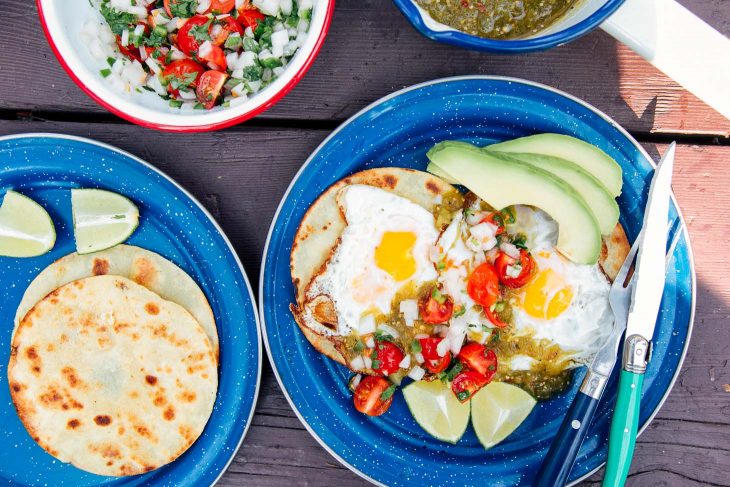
[(240, 179), (372, 51)]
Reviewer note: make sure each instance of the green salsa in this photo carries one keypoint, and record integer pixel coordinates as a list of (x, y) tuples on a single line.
[(498, 19)]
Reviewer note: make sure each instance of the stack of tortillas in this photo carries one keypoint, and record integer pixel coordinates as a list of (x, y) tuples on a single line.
[(114, 359)]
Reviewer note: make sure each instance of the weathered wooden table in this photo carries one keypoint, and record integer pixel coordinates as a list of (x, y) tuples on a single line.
[(241, 173)]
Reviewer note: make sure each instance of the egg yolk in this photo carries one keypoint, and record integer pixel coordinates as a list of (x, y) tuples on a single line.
[(394, 254), (546, 296)]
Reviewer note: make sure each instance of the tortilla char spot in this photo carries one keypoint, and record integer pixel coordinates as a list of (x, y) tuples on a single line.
[(118, 327), (134, 394), (102, 420), (144, 272), (36, 370), (151, 380), (69, 373), (390, 180), (121, 285), (50, 347), (73, 424), (152, 308), (135, 336), (142, 430), (64, 338), (121, 430), (160, 399), (347, 180), (186, 432), (187, 396), (169, 413), (100, 267), (110, 463), (16, 387), (432, 187), (149, 468), (31, 353)]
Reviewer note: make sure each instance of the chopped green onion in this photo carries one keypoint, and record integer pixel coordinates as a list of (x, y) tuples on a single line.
[(105, 72)]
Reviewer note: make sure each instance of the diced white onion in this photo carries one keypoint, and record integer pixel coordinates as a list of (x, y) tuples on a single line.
[(286, 6), (405, 363), (420, 336), (370, 342), (419, 358), (142, 53), (389, 330), (305, 5), (125, 38), (232, 59), (355, 381), (357, 363), (509, 249), (205, 49), (367, 325), (475, 217), (267, 7), (239, 3), (154, 65), (409, 308), (177, 54), (240, 100), (238, 90), (368, 362), (443, 347), (203, 5), (514, 271), (416, 373), (139, 30), (187, 95)]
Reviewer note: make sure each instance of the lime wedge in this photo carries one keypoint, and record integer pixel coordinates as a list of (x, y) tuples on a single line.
[(26, 229), (436, 409), (497, 410), (102, 219)]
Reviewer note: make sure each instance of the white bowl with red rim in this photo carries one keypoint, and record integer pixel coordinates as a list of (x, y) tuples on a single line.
[(63, 20)]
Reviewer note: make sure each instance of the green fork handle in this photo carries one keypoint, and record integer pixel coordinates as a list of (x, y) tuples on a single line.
[(624, 426)]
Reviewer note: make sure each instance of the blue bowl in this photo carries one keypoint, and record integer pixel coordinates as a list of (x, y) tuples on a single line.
[(397, 131), (536, 43)]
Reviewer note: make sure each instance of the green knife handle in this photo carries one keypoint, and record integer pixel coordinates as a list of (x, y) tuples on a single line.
[(625, 423)]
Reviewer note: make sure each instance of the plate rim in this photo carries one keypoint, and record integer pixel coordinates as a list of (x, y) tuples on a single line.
[(212, 220), (379, 101)]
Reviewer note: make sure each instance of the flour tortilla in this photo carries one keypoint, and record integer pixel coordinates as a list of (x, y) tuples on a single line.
[(146, 268), (319, 231), (109, 377)]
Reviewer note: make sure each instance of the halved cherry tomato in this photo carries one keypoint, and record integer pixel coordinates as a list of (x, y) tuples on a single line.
[(216, 59), (187, 41), (492, 316), (250, 17), (483, 285), (495, 219), (129, 50), (467, 383), (477, 358), (367, 397), (180, 70), (432, 362), (436, 307), (209, 88), (221, 6), (220, 30), (503, 261), (388, 357)]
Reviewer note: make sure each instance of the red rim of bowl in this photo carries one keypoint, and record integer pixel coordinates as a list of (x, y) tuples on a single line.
[(195, 128)]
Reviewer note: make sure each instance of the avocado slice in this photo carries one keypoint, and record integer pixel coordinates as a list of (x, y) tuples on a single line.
[(599, 199), (502, 181), (586, 155)]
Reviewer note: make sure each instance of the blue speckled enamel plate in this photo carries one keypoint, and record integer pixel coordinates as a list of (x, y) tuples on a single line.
[(397, 131), (172, 224)]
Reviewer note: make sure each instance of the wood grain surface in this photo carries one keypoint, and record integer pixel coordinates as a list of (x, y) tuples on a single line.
[(370, 52)]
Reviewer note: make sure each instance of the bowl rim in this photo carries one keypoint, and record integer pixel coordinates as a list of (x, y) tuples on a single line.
[(264, 258), (192, 128), (539, 43)]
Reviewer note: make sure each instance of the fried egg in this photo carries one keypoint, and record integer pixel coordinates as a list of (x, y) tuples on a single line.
[(564, 303), (384, 248)]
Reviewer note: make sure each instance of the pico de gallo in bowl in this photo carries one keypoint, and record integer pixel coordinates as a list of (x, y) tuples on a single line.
[(186, 65)]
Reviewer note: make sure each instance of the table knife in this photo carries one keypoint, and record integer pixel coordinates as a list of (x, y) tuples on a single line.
[(650, 277)]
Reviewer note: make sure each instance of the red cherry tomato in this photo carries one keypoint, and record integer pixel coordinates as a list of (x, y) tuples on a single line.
[(477, 358), (492, 316), (220, 30), (186, 41), (221, 6), (179, 70), (209, 88), (483, 285), (467, 383), (129, 50), (496, 220), (367, 397), (388, 357), (435, 307), (503, 261), (432, 362), (250, 17)]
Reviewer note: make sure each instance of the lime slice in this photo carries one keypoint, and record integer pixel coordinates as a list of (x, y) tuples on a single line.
[(436, 409), (102, 219), (26, 229), (497, 410)]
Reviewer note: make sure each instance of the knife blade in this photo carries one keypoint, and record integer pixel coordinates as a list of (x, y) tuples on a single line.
[(650, 278)]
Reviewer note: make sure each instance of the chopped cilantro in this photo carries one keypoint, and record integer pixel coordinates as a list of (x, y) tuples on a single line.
[(110, 61), (459, 311), (508, 215), (250, 45), (437, 296), (234, 41), (105, 72), (306, 14), (271, 62), (157, 37), (181, 82), (200, 32), (382, 336), (183, 8), (176, 103), (454, 369), (253, 73), (118, 21), (376, 364), (359, 346), (416, 346), (463, 395), (520, 241), (388, 393), (199, 106)]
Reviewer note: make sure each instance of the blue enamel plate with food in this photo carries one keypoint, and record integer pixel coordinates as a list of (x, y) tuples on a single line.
[(436, 279), (130, 348)]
